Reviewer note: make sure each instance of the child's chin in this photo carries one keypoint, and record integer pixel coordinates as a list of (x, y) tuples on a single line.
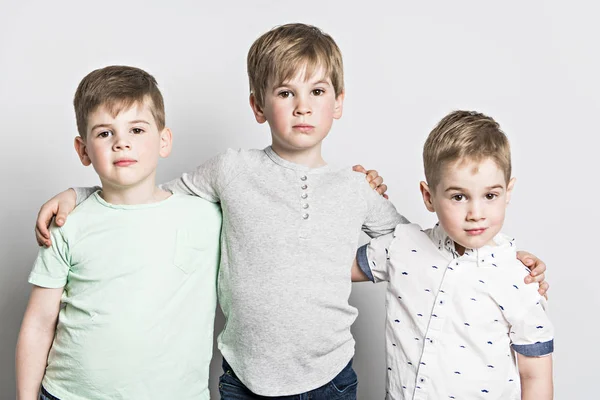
[(480, 242)]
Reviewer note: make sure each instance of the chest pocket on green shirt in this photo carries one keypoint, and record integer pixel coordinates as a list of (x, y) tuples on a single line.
[(189, 255)]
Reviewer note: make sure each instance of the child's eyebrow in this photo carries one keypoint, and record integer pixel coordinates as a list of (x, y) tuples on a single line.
[(136, 121), (100, 126), (319, 82), (459, 189), (498, 186)]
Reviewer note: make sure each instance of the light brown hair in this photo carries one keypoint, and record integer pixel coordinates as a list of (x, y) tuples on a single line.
[(117, 88), (279, 55), (465, 135)]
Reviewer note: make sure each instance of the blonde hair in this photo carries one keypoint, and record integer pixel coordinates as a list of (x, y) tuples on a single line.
[(465, 135), (282, 52), (117, 88)]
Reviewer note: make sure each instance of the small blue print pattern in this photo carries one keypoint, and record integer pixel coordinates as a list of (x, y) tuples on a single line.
[(449, 318)]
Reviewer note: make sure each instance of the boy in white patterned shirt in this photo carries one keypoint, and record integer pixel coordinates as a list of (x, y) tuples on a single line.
[(457, 311)]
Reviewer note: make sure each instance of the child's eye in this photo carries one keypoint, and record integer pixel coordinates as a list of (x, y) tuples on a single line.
[(104, 134), (491, 196), (137, 130), (318, 92), (459, 197), (284, 94)]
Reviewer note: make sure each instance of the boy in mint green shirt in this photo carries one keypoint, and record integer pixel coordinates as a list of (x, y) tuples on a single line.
[(123, 301)]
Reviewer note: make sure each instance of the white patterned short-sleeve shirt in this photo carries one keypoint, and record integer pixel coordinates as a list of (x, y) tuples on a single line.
[(455, 322)]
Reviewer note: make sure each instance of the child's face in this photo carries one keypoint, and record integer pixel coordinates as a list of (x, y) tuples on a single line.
[(125, 149), (300, 112), (470, 201)]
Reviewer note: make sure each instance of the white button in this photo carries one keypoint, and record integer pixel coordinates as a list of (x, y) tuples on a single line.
[(304, 187), (304, 195), (305, 216), (303, 178), (305, 206)]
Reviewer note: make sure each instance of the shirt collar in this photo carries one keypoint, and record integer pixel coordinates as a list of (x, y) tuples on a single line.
[(485, 256)]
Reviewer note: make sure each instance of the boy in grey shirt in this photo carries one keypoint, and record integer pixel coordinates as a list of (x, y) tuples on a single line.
[(290, 228)]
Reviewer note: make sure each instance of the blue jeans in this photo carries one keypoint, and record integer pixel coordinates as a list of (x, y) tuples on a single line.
[(342, 387), (44, 395)]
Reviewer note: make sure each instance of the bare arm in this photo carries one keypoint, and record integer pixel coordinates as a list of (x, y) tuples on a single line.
[(536, 377), (35, 340)]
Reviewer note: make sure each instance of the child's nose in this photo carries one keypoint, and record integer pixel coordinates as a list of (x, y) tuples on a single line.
[(475, 212), (302, 106), (121, 143)]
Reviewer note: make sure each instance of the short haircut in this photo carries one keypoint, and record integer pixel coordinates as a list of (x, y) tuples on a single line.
[(117, 88), (279, 55), (464, 135)]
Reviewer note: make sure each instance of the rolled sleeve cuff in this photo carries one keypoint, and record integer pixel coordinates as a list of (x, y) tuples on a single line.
[(536, 349), (363, 262)]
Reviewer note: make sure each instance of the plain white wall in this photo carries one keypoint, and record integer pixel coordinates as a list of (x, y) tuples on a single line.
[(531, 65)]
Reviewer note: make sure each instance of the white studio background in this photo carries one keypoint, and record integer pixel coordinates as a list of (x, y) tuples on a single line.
[(531, 65)]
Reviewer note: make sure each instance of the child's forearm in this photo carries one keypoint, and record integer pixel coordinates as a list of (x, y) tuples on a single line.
[(537, 388), (32, 354)]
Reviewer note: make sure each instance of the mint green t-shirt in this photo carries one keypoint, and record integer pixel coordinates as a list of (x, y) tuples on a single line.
[(139, 299)]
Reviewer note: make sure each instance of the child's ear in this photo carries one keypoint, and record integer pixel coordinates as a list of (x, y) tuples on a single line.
[(81, 150), (166, 143), (257, 110), (427, 197), (339, 105), (509, 189)]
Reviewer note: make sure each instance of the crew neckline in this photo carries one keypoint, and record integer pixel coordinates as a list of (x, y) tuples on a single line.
[(290, 165), (105, 203)]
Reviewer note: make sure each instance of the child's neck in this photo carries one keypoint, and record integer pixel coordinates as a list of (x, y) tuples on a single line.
[(310, 157), (142, 193)]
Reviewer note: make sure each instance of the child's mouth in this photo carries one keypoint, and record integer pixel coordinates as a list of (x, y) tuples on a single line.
[(303, 127), (475, 232)]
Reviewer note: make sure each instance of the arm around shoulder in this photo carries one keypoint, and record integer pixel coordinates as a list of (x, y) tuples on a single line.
[(209, 179), (382, 217), (60, 206)]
